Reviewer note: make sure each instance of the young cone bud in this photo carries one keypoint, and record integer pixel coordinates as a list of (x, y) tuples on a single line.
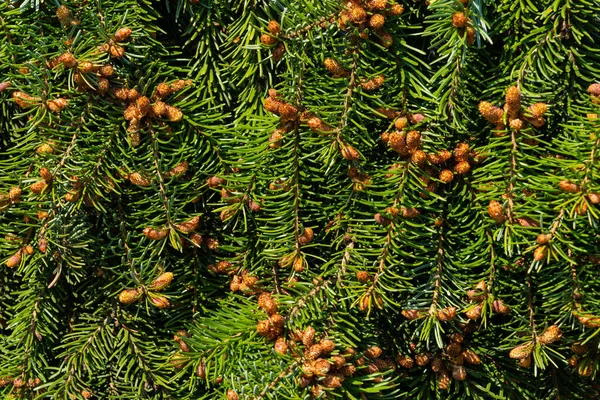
[(521, 351), (550, 335), (161, 282), (129, 296)]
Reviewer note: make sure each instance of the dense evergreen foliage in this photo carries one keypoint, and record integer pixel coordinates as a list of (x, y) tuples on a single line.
[(300, 199)]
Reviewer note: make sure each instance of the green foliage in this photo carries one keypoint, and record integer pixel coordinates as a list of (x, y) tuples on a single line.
[(373, 228)]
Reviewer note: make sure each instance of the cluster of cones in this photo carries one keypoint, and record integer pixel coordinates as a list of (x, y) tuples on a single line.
[(273, 39), (296, 258), (368, 15), (513, 114), (522, 352), (406, 141), (448, 363), (464, 24), (139, 106), (130, 296), (25, 100), (583, 359)]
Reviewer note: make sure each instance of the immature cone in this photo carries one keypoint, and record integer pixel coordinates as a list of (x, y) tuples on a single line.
[(44, 149), (444, 380), (419, 157), (446, 176), (155, 234), (475, 312), (377, 4), (499, 307), (525, 362), (57, 105), (189, 225), (459, 372), (14, 194), (107, 71), (14, 260), (462, 168), (122, 34), (232, 395), (413, 139), (516, 124), (538, 110), (492, 113), (446, 314), (495, 211), (579, 348), (594, 89), (396, 9), (334, 67), (38, 187), (459, 20), (569, 187), (550, 335), (376, 21), (540, 253), (521, 351), (68, 60), (543, 239), (281, 347), (357, 14), (161, 282), (594, 198), (373, 352), (137, 179), (308, 336), (411, 314), (274, 27), (401, 123), (513, 99), (363, 276), (306, 237), (471, 357), (349, 153), (116, 51), (373, 83), (406, 361), (160, 302), (129, 296), (267, 40), (470, 32)]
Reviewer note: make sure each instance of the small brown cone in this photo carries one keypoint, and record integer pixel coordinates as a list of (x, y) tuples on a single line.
[(550, 335), (475, 312), (499, 307), (459, 372), (155, 234), (471, 357), (513, 99), (14, 260), (274, 27), (569, 187), (446, 314), (525, 362), (492, 113), (459, 20), (161, 282), (495, 211), (521, 351), (160, 302), (444, 380), (538, 110), (122, 34), (376, 21), (540, 253), (129, 296), (446, 176)]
